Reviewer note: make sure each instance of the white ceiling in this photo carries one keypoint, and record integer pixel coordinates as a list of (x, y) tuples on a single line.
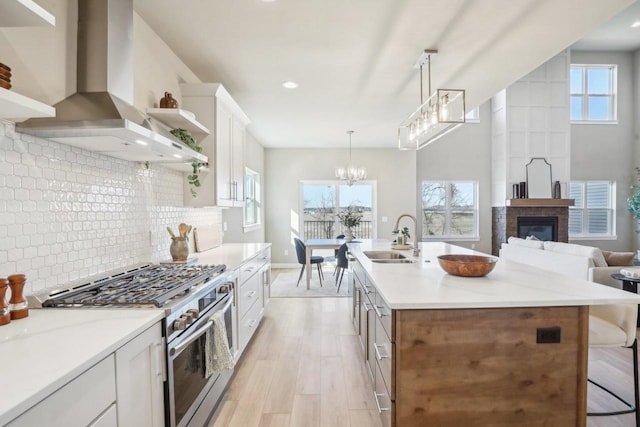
[(354, 59), (615, 34)]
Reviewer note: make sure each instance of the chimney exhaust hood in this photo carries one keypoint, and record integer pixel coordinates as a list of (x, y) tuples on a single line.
[(100, 116)]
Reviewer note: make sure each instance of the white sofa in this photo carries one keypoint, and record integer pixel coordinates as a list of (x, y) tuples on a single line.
[(584, 262)]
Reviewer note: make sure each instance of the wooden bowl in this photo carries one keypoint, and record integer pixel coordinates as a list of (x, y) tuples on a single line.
[(5, 85), (5, 67), (467, 265), (5, 74)]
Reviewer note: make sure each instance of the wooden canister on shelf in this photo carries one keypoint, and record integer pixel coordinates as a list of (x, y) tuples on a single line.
[(5, 317), (18, 303), (168, 101)]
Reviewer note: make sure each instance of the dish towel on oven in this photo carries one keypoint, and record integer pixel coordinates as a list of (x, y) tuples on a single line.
[(218, 357)]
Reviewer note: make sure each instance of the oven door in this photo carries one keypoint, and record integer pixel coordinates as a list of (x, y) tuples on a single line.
[(187, 383)]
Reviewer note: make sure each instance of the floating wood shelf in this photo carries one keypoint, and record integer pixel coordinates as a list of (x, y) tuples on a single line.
[(537, 203), (24, 13), (175, 118), (16, 106)]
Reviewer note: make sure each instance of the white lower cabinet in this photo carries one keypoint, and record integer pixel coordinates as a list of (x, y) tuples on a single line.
[(124, 389), (140, 374), (78, 403), (253, 293), (107, 419)]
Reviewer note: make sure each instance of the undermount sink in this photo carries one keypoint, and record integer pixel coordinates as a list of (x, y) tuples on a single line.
[(393, 261), (384, 255)]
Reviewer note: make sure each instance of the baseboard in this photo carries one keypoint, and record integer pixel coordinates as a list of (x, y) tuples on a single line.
[(285, 265)]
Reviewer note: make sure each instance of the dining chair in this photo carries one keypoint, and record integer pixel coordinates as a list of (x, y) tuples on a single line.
[(342, 263), (615, 326), (301, 253)]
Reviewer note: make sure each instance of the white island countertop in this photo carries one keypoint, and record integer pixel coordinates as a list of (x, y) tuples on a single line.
[(425, 285), (42, 352)]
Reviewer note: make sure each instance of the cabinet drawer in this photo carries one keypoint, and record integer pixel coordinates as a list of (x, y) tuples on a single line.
[(248, 324), (358, 270), (384, 313), (248, 269), (264, 257), (383, 402), (84, 399), (384, 356), (248, 293)]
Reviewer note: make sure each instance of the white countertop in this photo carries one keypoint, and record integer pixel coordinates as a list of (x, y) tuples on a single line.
[(424, 284), (230, 254), (41, 353)]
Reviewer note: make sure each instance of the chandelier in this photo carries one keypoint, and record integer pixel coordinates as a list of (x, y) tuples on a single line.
[(350, 174), (441, 113)]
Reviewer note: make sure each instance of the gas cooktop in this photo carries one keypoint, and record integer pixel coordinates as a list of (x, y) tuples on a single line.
[(147, 286)]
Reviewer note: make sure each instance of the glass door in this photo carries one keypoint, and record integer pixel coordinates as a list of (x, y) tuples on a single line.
[(321, 201)]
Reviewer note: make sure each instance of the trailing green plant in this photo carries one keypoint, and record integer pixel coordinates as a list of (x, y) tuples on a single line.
[(193, 179), (634, 200)]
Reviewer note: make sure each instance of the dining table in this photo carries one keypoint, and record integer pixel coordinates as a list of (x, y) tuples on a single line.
[(312, 244)]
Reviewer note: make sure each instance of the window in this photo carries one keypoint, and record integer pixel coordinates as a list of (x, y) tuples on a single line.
[(449, 209), (322, 200), (594, 212), (593, 93), (252, 201)]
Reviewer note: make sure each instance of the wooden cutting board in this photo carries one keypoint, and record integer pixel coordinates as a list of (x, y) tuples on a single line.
[(207, 237)]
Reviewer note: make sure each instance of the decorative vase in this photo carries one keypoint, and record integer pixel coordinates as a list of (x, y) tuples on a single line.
[(179, 248), (168, 101), (348, 235), (557, 192)]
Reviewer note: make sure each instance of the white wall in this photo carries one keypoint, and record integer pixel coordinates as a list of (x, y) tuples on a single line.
[(464, 154), (394, 171), (606, 152)]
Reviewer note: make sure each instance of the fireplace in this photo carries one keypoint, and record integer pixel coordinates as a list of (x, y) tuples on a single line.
[(547, 219), (540, 227)]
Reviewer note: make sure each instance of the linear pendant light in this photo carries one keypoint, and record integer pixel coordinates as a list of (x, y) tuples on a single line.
[(441, 113)]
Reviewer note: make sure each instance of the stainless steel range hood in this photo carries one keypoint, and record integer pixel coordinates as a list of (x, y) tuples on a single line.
[(100, 116)]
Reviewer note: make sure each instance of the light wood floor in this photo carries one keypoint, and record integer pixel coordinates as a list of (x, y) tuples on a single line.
[(304, 368)]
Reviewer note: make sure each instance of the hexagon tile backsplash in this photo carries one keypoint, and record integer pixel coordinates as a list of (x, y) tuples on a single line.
[(67, 213)]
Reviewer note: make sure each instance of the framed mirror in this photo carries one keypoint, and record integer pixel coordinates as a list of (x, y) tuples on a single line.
[(539, 178)]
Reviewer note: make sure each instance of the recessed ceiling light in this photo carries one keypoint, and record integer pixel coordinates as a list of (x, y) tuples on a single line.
[(635, 24), (177, 156), (290, 85), (268, 1), (141, 142)]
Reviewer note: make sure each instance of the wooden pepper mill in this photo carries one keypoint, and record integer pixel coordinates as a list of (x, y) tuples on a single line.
[(4, 308), (17, 303)]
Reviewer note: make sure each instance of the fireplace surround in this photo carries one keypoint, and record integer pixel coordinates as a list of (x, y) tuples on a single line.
[(541, 217)]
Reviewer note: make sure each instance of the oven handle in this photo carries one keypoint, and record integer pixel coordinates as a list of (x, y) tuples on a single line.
[(198, 333)]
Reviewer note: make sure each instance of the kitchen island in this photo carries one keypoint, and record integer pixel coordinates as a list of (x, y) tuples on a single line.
[(509, 348)]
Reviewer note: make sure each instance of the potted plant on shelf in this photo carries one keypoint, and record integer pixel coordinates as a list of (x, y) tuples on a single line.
[(349, 218), (193, 179)]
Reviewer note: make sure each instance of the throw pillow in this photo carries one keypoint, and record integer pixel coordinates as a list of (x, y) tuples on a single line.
[(618, 258), (535, 244)]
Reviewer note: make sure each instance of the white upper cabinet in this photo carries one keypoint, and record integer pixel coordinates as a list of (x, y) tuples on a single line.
[(217, 111)]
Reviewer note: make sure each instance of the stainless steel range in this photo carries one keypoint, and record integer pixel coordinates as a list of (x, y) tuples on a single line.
[(190, 295)]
